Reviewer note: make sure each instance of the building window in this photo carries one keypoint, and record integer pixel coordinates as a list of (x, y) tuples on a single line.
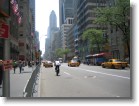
[(116, 28), (21, 34), (111, 30), (21, 44), (21, 25), (21, 7)]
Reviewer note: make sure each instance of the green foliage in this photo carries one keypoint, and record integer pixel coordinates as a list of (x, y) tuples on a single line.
[(117, 15), (60, 52), (66, 51), (94, 37)]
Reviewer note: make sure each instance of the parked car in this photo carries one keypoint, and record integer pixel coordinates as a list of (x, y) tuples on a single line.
[(48, 64), (114, 63), (73, 63), (43, 62)]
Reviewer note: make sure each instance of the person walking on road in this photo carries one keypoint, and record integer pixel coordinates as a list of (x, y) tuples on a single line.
[(57, 65), (20, 66), (1, 73)]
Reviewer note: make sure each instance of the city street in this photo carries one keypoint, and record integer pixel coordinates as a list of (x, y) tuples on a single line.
[(82, 81), (85, 81), (95, 32)]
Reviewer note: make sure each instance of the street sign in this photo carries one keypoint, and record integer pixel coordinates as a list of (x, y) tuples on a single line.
[(7, 64), (4, 30)]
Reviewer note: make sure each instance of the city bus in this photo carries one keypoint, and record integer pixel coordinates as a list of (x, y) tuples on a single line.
[(97, 59)]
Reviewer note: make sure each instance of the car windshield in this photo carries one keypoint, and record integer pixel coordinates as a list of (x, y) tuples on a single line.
[(73, 61), (49, 62), (116, 60)]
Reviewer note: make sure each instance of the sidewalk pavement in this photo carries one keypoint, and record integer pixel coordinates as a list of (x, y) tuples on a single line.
[(18, 81), (0, 92)]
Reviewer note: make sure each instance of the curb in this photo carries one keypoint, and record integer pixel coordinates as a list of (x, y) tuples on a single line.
[(39, 84)]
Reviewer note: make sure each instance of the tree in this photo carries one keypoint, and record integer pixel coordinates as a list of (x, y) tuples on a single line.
[(65, 52), (61, 52), (94, 37), (117, 15)]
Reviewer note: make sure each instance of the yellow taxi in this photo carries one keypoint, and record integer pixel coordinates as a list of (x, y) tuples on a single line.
[(48, 64), (73, 63), (114, 63)]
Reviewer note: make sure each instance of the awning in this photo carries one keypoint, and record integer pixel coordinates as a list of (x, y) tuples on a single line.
[(99, 54), (88, 56)]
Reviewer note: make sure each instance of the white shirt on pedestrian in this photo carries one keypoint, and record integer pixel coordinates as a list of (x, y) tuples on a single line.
[(57, 63)]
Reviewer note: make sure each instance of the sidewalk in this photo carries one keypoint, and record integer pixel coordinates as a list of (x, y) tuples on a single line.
[(0, 92), (18, 81)]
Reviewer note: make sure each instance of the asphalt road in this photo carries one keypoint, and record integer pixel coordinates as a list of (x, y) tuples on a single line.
[(85, 81)]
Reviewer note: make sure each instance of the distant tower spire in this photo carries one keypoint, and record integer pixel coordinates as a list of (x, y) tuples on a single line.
[(53, 20)]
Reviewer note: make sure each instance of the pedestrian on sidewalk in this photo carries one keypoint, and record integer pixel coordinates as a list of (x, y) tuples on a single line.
[(1, 73), (29, 64), (20, 66), (14, 65)]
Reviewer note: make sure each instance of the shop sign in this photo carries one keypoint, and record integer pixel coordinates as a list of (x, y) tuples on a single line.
[(4, 30), (7, 64)]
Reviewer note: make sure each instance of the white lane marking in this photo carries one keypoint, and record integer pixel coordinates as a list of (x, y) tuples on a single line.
[(104, 73), (94, 77), (117, 96), (85, 76), (67, 73)]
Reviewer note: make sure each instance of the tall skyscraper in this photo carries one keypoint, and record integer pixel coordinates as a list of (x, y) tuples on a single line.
[(85, 17), (32, 7), (53, 20), (66, 10), (50, 35), (52, 25), (61, 12)]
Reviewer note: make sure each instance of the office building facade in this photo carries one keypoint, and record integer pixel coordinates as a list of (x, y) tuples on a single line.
[(85, 18), (52, 29), (66, 10), (64, 28)]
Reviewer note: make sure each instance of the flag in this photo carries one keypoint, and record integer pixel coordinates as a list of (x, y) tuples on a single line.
[(18, 13), (15, 8), (12, 1), (19, 19)]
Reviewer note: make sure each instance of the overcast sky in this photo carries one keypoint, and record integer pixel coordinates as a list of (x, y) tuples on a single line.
[(43, 10)]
